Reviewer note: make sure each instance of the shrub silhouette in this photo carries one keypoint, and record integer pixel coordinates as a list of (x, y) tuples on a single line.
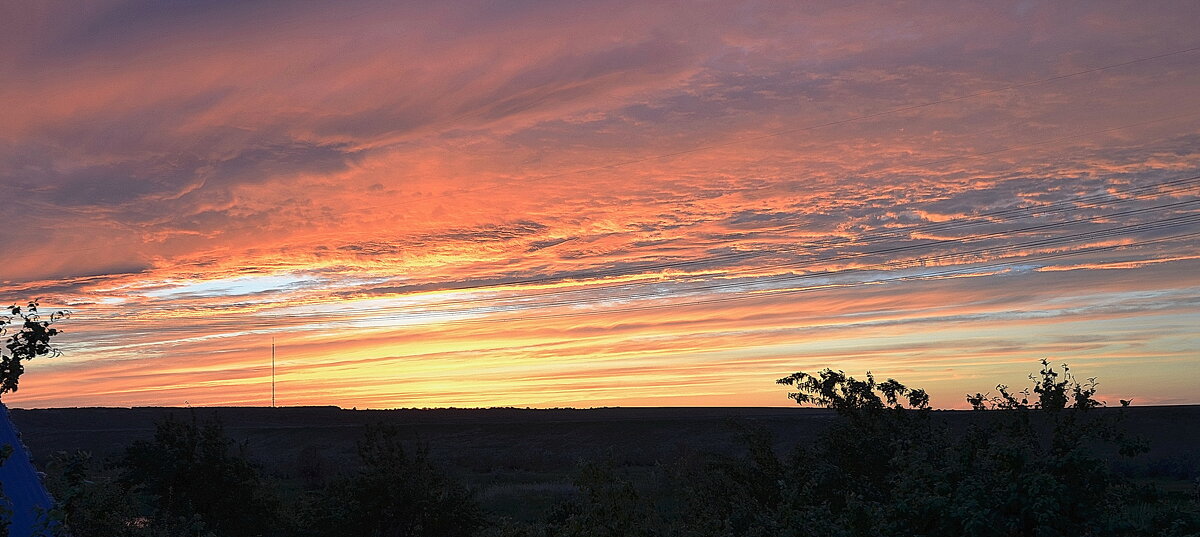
[(1029, 462), (609, 506), (192, 475), (886, 468), (29, 341), (90, 500), (1053, 393), (849, 396), (396, 492)]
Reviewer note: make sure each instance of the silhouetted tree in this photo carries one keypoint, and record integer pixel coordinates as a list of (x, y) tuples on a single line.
[(1055, 391), (609, 506), (835, 390), (1031, 462), (191, 475), (90, 500), (1031, 468), (396, 492), (30, 340)]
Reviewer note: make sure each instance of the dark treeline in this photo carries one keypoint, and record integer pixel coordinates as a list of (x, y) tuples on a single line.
[(1038, 462)]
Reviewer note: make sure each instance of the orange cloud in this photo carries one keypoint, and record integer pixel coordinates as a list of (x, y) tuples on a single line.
[(598, 204)]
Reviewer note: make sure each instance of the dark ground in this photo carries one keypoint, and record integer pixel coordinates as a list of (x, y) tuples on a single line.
[(520, 460)]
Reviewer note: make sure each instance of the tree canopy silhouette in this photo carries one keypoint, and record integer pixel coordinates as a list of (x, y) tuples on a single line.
[(30, 340)]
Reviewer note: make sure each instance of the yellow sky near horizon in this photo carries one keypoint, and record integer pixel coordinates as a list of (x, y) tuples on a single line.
[(600, 204)]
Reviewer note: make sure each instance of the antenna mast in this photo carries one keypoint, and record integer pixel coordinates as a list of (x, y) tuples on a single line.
[(272, 372)]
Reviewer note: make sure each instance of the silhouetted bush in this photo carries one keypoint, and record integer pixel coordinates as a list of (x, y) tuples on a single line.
[(1026, 469), (396, 492), (1033, 462), (90, 500), (312, 468), (30, 340), (609, 505), (192, 475), (28, 336)]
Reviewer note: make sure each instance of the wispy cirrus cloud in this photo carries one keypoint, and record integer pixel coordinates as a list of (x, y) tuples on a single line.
[(602, 203)]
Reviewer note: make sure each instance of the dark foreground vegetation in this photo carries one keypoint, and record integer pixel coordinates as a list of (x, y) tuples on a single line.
[(1041, 462)]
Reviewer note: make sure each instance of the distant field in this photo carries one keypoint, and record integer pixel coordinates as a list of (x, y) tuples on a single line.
[(522, 459), (473, 441)]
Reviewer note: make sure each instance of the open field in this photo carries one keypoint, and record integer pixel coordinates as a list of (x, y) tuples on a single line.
[(477, 440), (521, 460)]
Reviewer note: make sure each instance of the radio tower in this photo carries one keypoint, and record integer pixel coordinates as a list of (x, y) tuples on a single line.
[(272, 372)]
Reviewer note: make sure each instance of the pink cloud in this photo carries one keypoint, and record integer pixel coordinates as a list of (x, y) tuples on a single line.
[(592, 204)]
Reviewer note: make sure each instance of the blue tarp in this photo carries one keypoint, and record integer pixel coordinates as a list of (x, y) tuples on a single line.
[(27, 497)]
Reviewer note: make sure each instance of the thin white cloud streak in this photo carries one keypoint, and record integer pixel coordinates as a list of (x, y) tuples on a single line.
[(336, 181)]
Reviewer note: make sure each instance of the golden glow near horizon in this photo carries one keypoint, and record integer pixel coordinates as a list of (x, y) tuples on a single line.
[(484, 204)]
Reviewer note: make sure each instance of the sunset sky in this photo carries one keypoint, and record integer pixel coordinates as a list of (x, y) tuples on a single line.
[(544, 204)]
